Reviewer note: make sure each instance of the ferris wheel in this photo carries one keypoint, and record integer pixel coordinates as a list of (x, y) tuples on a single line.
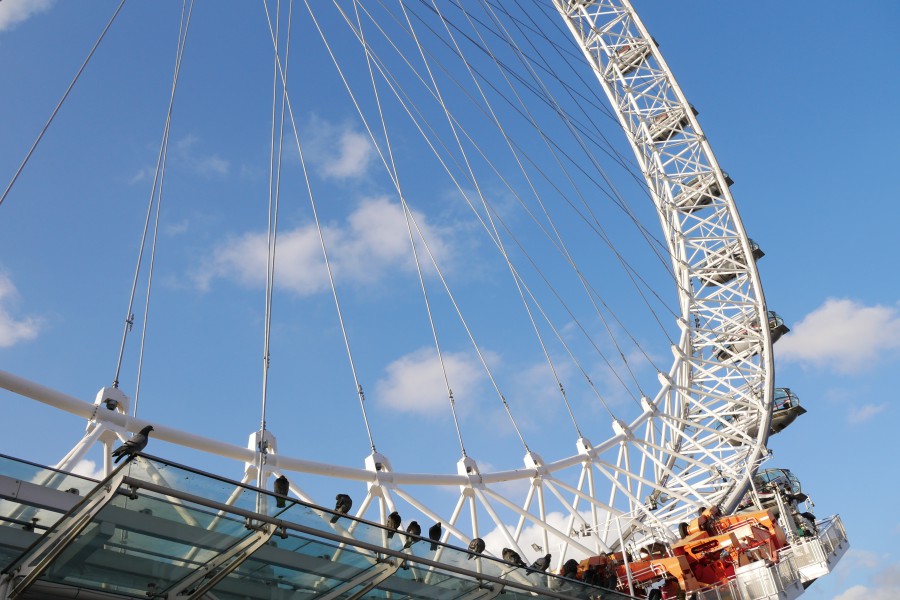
[(694, 441)]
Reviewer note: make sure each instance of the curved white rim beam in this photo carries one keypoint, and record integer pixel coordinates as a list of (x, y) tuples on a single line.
[(700, 222)]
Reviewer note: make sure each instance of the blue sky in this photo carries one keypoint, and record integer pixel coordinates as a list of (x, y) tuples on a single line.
[(797, 106)]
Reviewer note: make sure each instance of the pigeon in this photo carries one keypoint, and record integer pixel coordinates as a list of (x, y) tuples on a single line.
[(281, 489), (342, 504), (476, 546), (513, 557), (434, 533), (541, 564), (412, 530), (393, 523), (137, 443)]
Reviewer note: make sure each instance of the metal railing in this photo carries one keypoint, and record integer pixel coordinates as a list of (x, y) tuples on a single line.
[(832, 533)]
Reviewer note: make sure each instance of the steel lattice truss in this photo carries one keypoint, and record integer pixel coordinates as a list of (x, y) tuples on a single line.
[(695, 431)]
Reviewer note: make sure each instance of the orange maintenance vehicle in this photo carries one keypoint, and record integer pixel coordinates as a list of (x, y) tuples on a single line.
[(712, 546), (772, 546)]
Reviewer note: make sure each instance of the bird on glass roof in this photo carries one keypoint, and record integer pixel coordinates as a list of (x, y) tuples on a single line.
[(342, 504), (412, 532), (434, 534), (393, 523), (281, 487), (541, 564), (513, 557), (137, 443), (476, 546)]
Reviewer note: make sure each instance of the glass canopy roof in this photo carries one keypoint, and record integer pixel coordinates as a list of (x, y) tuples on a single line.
[(157, 529)]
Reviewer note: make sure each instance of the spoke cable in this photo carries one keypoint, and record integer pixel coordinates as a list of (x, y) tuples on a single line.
[(183, 26), (600, 232), (406, 214), (275, 164), (517, 277), (328, 269), (454, 125), (478, 190), (463, 193), (59, 104), (536, 165), (562, 243), (440, 274)]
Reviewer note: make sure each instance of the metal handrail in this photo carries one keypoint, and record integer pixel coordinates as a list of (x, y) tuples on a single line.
[(285, 525)]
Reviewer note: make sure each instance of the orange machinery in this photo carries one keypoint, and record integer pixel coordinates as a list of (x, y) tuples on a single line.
[(712, 546)]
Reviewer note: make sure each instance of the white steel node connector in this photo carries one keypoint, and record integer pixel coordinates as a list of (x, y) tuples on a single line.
[(584, 447), (258, 442), (534, 461), (112, 398), (378, 464)]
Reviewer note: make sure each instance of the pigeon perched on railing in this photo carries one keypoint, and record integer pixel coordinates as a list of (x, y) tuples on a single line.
[(476, 546), (540, 565), (342, 504), (412, 532), (393, 523), (513, 557), (137, 443), (434, 534), (281, 487)]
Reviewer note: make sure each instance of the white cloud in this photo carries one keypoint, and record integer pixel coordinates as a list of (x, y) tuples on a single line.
[(185, 154), (534, 393), (880, 582), (861, 592), (88, 468), (243, 259), (536, 385), (13, 12), (143, 174), (213, 165), (12, 330), (185, 144), (843, 335), (415, 383), (861, 414), (178, 228), (338, 151), (355, 152), (860, 559), (890, 576), (373, 241), (206, 165)]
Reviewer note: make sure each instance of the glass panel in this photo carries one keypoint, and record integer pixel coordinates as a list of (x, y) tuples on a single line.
[(145, 543), (138, 545), (299, 564), (23, 515), (44, 476)]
